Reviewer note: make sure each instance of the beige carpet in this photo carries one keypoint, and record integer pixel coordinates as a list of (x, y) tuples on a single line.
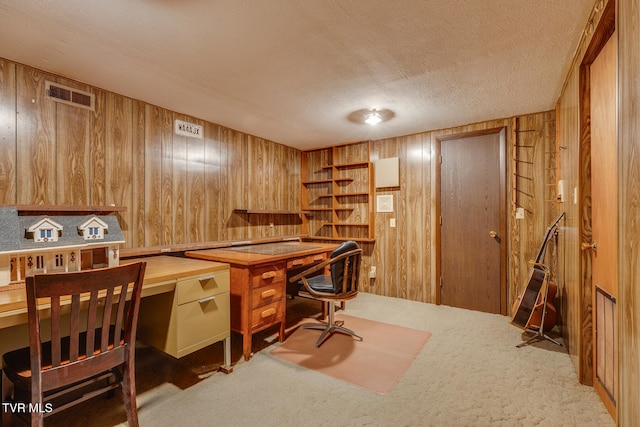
[(470, 373), (377, 363)]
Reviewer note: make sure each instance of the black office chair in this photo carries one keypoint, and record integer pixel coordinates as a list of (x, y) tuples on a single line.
[(338, 286)]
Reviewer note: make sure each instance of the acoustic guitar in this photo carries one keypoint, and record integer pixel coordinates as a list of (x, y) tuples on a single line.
[(550, 314), (539, 293)]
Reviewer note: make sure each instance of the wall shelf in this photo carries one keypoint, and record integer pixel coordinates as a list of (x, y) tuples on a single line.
[(266, 212), (317, 182), (340, 189), (352, 194), (64, 209), (341, 239), (346, 165)]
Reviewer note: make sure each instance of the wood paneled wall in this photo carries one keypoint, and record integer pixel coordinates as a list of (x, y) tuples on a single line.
[(176, 189), (404, 255), (181, 190), (575, 158), (628, 30), (574, 137), (576, 298)]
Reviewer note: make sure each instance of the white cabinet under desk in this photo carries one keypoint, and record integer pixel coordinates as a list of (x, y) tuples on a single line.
[(185, 306)]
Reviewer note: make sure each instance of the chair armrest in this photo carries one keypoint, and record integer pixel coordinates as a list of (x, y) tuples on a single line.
[(309, 271), (322, 265)]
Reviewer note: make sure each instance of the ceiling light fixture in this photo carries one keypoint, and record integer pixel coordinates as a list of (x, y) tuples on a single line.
[(372, 118)]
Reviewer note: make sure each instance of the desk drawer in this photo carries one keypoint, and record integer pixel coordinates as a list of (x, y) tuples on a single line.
[(308, 260), (202, 323), (267, 315), (267, 294), (267, 275), (202, 287)]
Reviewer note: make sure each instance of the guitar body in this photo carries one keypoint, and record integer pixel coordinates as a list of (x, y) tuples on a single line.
[(535, 305), (550, 315), (529, 299)]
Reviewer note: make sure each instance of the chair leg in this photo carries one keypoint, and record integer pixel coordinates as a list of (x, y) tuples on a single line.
[(330, 327), (129, 393), (37, 418), (4, 415)]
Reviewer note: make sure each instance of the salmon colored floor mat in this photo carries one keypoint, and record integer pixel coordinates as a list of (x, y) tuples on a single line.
[(377, 363)]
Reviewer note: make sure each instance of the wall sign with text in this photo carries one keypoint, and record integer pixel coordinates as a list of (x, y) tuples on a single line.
[(187, 129)]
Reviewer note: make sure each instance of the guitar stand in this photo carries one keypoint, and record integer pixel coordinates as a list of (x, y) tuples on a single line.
[(539, 333), (539, 336)]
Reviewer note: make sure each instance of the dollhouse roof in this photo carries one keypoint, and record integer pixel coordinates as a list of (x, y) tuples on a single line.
[(15, 236)]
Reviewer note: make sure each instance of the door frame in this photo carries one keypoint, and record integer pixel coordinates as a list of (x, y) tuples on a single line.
[(502, 131)]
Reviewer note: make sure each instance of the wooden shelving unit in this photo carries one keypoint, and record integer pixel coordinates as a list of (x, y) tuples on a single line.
[(337, 193)]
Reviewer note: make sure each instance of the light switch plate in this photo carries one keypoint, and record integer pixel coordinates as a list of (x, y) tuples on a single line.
[(520, 213), (392, 222)]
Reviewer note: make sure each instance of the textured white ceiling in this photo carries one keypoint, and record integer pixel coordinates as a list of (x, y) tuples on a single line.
[(293, 71)]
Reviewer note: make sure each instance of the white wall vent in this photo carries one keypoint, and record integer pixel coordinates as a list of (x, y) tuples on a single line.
[(67, 95)]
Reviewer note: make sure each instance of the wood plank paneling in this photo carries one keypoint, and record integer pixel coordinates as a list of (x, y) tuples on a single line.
[(7, 132), (213, 190), (390, 241), (179, 167), (628, 29), (118, 158), (133, 159), (98, 150), (136, 236), (576, 305), (180, 190), (176, 189), (73, 127), (569, 287), (195, 192), (153, 162), (575, 159), (235, 175), (168, 196), (35, 139), (271, 170)]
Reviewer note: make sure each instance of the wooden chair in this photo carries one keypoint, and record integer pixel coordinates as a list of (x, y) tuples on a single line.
[(83, 356), (339, 286)]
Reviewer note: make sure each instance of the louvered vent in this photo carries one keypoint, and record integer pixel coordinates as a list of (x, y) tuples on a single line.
[(67, 95)]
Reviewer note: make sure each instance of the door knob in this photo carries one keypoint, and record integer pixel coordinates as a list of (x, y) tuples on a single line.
[(493, 234), (585, 246)]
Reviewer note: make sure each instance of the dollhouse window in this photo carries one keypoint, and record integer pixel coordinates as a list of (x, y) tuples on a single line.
[(92, 229), (45, 230), (39, 262), (59, 260)]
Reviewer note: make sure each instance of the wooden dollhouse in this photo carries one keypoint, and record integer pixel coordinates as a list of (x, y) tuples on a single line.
[(31, 244)]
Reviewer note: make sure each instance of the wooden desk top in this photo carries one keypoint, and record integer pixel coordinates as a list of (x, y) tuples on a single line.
[(159, 277), (163, 268), (250, 255)]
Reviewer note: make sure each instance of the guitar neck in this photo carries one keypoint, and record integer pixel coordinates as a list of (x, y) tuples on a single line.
[(549, 234)]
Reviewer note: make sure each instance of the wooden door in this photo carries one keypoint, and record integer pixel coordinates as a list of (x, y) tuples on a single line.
[(472, 231), (604, 214)]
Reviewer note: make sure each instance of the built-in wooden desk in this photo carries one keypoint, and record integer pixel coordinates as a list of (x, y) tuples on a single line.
[(182, 280), (258, 281)]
